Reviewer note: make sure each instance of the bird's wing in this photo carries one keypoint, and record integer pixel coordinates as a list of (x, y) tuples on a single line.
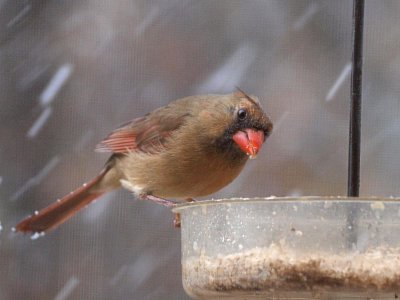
[(146, 134)]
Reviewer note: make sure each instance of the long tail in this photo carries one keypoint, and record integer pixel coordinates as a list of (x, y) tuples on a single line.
[(60, 211)]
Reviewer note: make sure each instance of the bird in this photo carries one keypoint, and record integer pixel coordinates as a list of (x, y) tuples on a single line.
[(190, 148)]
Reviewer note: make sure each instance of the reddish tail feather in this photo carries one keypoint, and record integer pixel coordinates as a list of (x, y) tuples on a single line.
[(60, 211)]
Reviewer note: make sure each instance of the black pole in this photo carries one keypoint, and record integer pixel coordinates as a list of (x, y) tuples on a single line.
[(353, 183), (353, 180)]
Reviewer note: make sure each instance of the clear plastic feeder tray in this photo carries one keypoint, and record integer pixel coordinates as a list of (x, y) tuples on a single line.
[(291, 248)]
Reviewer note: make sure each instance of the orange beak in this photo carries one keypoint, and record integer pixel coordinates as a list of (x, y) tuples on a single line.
[(249, 141)]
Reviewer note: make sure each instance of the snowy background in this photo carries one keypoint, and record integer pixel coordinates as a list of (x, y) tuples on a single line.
[(72, 71)]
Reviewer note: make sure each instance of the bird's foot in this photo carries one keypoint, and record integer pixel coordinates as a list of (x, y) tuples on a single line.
[(177, 220), (158, 200)]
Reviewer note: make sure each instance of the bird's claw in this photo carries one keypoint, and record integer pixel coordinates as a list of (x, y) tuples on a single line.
[(177, 220)]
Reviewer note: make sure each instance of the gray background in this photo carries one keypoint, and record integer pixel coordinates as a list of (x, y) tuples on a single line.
[(116, 60)]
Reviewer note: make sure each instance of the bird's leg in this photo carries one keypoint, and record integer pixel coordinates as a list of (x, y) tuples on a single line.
[(167, 203), (177, 218), (163, 202), (158, 200)]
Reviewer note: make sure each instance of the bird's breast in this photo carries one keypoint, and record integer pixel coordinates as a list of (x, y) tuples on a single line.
[(171, 174)]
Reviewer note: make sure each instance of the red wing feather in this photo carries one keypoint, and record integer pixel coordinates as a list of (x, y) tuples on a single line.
[(121, 141), (147, 134)]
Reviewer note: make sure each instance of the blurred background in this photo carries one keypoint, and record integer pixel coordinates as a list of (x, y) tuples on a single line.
[(72, 71)]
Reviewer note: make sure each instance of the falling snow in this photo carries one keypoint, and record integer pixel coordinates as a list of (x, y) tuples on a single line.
[(37, 179), (37, 235), (339, 82), (68, 288), (230, 73), (148, 20), (39, 123), (70, 76), (306, 17), (119, 275), (55, 84), (21, 14)]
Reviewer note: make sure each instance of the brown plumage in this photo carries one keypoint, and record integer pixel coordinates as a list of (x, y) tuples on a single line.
[(189, 148)]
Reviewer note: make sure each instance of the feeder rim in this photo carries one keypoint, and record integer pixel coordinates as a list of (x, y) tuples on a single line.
[(272, 199)]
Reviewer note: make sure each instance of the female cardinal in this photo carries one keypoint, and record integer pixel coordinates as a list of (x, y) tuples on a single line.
[(190, 148)]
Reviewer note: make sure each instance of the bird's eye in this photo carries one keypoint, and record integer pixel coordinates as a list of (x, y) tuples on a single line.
[(242, 113)]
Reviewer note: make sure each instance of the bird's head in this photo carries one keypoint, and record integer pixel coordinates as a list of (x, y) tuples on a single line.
[(239, 124), (250, 126)]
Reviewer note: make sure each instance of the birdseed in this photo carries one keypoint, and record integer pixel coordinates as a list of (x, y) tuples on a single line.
[(278, 268)]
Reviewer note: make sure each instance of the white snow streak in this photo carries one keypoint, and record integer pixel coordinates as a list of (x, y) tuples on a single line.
[(55, 84), (309, 12), (19, 16), (120, 273), (39, 123), (46, 169), (140, 271), (35, 180), (231, 72), (67, 289), (148, 20), (338, 83)]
